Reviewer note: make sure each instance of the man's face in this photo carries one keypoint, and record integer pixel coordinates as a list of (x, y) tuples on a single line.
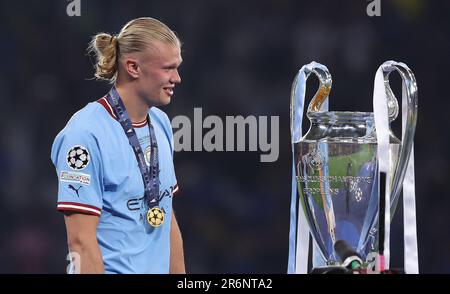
[(159, 73)]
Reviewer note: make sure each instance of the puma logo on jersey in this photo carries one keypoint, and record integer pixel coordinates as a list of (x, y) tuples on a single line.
[(76, 190)]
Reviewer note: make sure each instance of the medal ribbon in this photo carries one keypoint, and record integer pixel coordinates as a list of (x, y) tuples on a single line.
[(149, 177)]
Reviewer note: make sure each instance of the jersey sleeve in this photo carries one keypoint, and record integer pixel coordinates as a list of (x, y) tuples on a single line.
[(76, 156), (168, 127)]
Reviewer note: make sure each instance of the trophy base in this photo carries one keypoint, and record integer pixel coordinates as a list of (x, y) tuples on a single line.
[(332, 269), (337, 269)]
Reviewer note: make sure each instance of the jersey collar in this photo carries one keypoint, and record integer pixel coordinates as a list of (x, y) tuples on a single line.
[(108, 108)]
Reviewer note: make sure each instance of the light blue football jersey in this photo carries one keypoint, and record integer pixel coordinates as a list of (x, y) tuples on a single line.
[(98, 174)]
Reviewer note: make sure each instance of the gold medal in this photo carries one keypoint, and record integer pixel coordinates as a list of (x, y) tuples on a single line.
[(155, 217)]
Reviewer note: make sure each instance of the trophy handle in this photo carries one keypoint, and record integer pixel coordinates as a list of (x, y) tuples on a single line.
[(391, 100), (322, 93), (298, 95), (410, 86)]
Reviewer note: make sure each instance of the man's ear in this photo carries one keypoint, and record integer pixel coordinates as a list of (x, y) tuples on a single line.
[(132, 67)]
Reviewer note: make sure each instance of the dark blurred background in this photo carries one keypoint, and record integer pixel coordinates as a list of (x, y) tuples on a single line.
[(240, 58)]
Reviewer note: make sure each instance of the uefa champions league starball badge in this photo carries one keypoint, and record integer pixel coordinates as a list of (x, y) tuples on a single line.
[(155, 217), (78, 157)]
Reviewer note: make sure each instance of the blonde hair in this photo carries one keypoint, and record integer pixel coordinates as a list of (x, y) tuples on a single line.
[(137, 35)]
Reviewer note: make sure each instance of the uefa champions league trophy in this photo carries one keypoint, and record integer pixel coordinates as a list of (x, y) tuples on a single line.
[(338, 169)]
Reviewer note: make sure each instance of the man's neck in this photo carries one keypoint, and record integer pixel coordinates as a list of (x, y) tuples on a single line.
[(137, 109)]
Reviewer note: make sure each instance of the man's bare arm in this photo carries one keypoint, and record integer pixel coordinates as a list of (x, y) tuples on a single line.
[(176, 249), (82, 239)]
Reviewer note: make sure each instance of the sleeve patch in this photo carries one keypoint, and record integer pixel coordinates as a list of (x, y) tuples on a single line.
[(75, 177), (78, 157)]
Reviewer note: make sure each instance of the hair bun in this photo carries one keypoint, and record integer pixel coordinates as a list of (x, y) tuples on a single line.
[(105, 48)]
